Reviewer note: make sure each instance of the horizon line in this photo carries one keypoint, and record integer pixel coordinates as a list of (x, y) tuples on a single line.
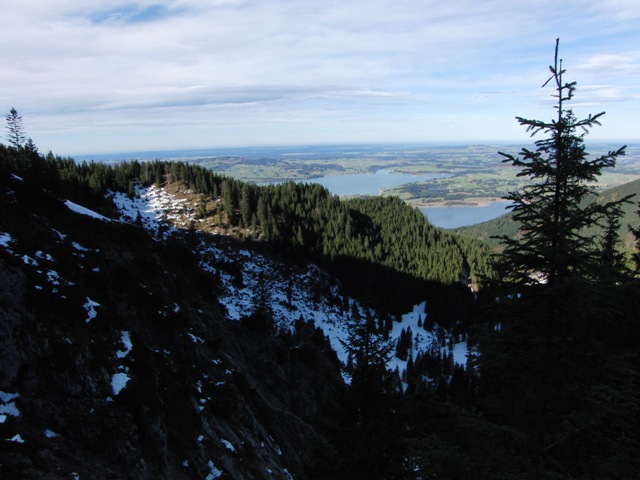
[(428, 143)]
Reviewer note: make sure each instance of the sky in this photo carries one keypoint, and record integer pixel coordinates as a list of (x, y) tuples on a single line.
[(101, 76)]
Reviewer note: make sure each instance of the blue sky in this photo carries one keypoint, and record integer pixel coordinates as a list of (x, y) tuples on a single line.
[(110, 76)]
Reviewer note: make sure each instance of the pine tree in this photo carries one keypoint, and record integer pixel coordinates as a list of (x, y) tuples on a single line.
[(371, 353), (246, 205), (547, 359), (374, 450), (552, 218), (15, 131), (613, 261)]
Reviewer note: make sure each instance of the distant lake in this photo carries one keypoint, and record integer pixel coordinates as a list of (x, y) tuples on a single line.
[(368, 183), (453, 217), (373, 183)]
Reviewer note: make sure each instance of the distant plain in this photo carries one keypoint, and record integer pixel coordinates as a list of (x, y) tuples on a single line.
[(425, 176)]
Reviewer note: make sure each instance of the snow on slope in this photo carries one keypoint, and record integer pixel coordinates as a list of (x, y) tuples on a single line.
[(153, 207), (85, 211), (249, 279), (5, 240), (290, 295)]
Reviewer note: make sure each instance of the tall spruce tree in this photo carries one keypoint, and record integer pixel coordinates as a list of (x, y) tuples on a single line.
[(550, 211), (548, 366), (372, 429), (15, 131)]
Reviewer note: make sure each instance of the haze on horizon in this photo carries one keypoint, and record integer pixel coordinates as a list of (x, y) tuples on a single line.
[(105, 76)]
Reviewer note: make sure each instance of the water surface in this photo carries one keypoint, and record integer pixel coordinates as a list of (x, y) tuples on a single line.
[(368, 183), (453, 217), (374, 183)]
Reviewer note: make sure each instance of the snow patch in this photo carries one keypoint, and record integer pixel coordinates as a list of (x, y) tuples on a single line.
[(74, 207), (194, 338), (16, 438), (50, 434), (228, 445), (61, 236), (214, 472), (7, 397), (41, 255), (460, 353), (53, 277), (291, 296), (125, 338), (29, 261), (90, 307), (153, 208), (9, 409), (119, 381), (5, 239), (79, 247), (7, 406)]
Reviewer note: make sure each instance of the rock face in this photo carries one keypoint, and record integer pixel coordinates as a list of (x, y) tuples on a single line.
[(116, 361)]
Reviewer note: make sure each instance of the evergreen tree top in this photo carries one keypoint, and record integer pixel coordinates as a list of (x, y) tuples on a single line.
[(550, 209)]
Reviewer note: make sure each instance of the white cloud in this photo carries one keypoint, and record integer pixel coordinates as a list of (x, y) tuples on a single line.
[(606, 94), (118, 68), (624, 66)]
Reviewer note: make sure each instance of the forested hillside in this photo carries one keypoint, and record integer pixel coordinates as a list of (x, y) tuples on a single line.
[(506, 226), (303, 220)]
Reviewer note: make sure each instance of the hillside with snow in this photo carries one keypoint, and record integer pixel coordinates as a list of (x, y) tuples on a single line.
[(118, 359), (291, 293), (127, 344)]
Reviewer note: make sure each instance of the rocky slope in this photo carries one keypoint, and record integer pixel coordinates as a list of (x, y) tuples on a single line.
[(117, 360)]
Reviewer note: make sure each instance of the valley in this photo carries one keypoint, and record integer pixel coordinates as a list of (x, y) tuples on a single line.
[(422, 175)]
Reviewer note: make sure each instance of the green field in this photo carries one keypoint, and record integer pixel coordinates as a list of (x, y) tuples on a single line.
[(475, 173)]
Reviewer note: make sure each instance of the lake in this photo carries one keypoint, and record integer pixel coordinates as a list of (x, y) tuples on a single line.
[(373, 183), (369, 183), (453, 217)]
